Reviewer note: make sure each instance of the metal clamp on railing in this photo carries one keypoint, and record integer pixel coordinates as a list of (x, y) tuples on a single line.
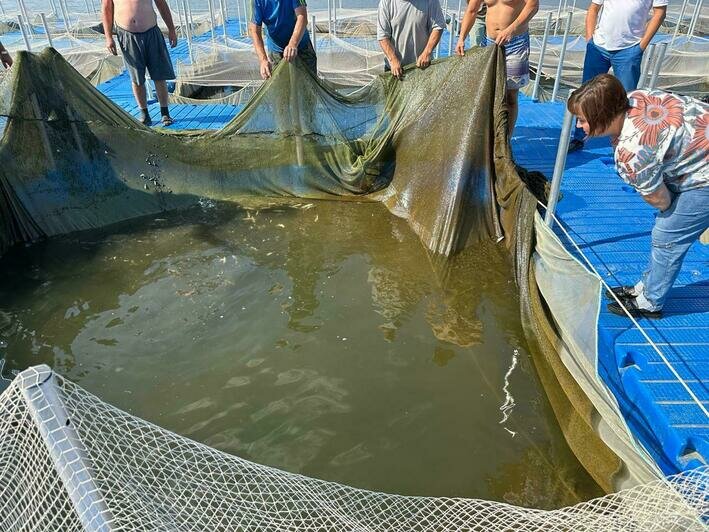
[(559, 166)]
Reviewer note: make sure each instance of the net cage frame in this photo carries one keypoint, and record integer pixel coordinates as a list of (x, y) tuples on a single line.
[(69, 461)]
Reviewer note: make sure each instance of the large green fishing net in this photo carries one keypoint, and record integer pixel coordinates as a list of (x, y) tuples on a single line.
[(433, 148)]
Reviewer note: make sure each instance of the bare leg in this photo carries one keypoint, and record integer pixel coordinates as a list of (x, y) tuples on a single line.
[(140, 96), (513, 109), (161, 90)]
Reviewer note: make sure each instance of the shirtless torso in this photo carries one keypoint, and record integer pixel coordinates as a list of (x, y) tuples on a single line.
[(134, 15), (502, 13)]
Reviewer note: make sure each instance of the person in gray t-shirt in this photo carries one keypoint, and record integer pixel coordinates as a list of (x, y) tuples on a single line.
[(408, 31)]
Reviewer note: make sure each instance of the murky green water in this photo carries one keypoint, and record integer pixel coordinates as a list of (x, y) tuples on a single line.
[(313, 337)]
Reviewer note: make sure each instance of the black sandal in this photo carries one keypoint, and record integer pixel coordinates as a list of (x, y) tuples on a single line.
[(167, 120)]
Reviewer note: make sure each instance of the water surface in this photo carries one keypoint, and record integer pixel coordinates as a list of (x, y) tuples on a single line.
[(314, 337)]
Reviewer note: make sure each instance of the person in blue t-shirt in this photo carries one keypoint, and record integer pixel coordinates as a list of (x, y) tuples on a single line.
[(286, 22)]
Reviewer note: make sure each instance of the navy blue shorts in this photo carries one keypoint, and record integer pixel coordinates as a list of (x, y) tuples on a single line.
[(145, 49)]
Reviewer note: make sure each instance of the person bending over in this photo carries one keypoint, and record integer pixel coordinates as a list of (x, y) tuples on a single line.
[(617, 38), (662, 150), (507, 25), (287, 25), (5, 57), (408, 32), (143, 47)]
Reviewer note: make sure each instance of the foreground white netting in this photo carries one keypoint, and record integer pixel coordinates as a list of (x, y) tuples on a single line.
[(69, 460)]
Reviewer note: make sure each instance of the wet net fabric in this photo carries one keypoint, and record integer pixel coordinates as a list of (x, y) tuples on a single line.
[(72, 160), (69, 460)]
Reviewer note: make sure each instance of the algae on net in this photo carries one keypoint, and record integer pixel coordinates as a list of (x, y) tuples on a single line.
[(317, 337)]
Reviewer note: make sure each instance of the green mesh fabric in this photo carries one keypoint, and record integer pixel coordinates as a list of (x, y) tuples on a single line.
[(433, 148)]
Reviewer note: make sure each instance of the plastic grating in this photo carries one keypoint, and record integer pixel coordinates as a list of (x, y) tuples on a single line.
[(612, 225)]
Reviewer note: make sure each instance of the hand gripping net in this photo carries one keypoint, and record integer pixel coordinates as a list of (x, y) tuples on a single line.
[(69, 461)]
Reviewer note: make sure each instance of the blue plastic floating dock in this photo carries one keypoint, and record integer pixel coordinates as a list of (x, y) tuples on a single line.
[(612, 225)]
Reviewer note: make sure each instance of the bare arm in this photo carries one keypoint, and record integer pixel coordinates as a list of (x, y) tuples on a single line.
[(425, 58), (390, 53), (592, 20), (471, 12), (528, 11), (301, 22), (166, 15), (257, 38), (107, 21), (658, 17), (660, 198)]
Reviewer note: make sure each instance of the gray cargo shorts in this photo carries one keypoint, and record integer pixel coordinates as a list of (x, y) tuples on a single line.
[(146, 49)]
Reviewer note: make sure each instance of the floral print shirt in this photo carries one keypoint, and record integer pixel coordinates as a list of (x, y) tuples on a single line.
[(665, 138)]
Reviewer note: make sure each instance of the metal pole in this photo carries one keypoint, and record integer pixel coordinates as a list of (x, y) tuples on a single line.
[(238, 16), (658, 64), (329, 17), (542, 53), (559, 166), (312, 33), (645, 66), (558, 18), (88, 9), (24, 33), (679, 21), (450, 36), (247, 14), (459, 16), (695, 18), (26, 16), (223, 10), (562, 55), (179, 18), (211, 18), (334, 18), (69, 456), (190, 21), (46, 29), (2, 10), (189, 31), (65, 15)]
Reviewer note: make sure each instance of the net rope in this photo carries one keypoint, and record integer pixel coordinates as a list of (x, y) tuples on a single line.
[(89, 462), (637, 325)]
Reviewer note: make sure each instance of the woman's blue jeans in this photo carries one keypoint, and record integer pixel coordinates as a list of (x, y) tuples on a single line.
[(676, 229), (626, 65)]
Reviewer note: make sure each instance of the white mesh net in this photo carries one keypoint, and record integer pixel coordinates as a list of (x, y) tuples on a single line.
[(68, 460)]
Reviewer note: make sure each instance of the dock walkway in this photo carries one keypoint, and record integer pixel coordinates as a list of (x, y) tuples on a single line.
[(612, 224)]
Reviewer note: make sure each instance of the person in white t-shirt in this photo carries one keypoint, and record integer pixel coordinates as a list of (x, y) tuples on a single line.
[(617, 38)]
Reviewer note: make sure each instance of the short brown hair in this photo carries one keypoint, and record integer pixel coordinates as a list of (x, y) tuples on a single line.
[(600, 101)]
